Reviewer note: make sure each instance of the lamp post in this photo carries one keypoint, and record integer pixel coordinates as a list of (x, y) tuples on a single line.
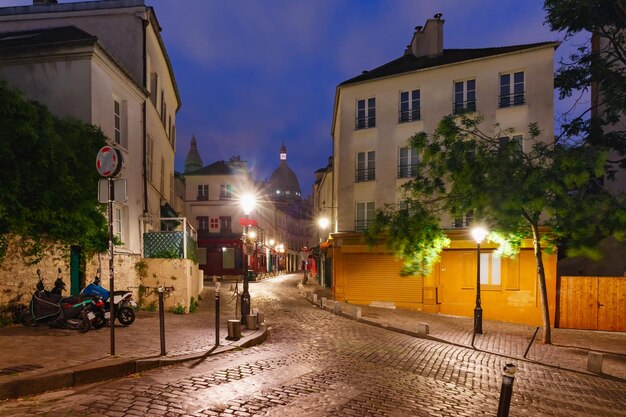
[(248, 201), (479, 234), (323, 223)]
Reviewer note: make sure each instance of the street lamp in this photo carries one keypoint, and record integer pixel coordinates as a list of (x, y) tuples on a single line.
[(478, 233), (248, 202), (323, 223)]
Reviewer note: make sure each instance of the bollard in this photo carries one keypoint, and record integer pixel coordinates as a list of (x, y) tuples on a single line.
[(260, 317), (422, 328), (161, 290), (234, 330), (506, 391), (217, 314), (594, 362), (251, 322)]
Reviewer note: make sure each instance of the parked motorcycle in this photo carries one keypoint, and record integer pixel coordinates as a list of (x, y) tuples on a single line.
[(101, 316), (55, 310), (122, 300)]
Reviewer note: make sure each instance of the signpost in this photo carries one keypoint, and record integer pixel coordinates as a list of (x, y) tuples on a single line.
[(109, 163)]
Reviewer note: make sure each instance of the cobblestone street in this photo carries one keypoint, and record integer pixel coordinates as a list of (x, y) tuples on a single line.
[(317, 364)]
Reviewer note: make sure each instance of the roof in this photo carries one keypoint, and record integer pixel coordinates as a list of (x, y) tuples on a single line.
[(218, 168), (49, 37), (284, 179), (410, 62)]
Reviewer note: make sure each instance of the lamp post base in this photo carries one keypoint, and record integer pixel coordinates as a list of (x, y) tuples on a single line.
[(478, 320)]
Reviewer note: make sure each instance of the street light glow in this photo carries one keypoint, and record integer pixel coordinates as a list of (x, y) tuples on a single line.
[(479, 233), (323, 222), (252, 234), (248, 201)]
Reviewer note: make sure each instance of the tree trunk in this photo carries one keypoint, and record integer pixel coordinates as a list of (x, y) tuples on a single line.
[(541, 274)]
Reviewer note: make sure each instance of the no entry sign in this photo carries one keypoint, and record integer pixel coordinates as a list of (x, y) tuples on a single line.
[(109, 161)]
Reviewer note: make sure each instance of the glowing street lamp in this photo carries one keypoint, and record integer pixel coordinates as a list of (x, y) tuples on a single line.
[(248, 202), (478, 233)]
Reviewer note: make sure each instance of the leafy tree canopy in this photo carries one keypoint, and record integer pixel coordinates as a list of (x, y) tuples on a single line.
[(48, 180)]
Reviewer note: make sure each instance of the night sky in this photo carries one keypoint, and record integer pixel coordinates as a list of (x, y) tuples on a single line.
[(253, 73)]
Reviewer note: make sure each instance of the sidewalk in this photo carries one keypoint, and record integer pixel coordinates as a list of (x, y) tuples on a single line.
[(34, 360), (569, 348)]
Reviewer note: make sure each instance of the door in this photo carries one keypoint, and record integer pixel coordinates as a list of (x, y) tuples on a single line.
[(612, 304), (75, 270)]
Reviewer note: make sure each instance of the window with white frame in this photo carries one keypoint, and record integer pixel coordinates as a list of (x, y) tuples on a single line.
[(120, 215), (464, 96), (215, 223), (119, 122), (365, 166), (407, 162), (410, 106), (154, 85), (364, 215), (490, 269), (203, 223), (516, 140), (226, 224), (365, 113), (203, 192), (512, 89), (150, 158), (226, 192), (463, 221), (162, 182)]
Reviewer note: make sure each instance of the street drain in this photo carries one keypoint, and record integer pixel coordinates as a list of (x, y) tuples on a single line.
[(19, 368)]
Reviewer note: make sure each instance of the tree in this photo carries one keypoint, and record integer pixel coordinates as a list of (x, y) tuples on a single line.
[(600, 62), (48, 180), (514, 192)]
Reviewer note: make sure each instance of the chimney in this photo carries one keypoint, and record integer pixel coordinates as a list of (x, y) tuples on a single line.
[(428, 40), (43, 2)]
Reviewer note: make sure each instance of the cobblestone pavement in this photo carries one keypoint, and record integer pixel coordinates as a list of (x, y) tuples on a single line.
[(318, 364)]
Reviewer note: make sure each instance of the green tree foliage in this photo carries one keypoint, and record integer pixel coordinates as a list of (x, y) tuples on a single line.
[(513, 192), (48, 181), (602, 62)]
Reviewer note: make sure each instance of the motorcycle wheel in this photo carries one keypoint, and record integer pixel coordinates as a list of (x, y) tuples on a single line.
[(84, 325), (126, 316), (27, 319), (99, 321)]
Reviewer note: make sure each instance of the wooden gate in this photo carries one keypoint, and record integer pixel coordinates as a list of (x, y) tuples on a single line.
[(595, 303)]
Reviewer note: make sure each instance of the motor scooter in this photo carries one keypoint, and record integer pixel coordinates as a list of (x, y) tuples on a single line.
[(123, 303), (56, 311), (101, 316)]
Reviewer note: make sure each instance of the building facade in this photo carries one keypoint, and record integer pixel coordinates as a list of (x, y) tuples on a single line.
[(376, 113)]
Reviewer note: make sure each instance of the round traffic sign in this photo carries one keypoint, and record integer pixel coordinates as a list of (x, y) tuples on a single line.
[(109, 161)]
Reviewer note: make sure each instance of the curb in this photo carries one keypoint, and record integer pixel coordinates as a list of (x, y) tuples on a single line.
[(112, 368)]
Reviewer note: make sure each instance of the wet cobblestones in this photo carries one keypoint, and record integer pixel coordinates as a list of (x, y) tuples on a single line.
[(318, 364)]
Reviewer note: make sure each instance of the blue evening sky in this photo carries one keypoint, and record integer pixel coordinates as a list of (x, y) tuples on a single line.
[(253, 74)]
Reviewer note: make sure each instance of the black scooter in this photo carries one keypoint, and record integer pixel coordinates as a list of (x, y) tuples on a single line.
[(51, 308)]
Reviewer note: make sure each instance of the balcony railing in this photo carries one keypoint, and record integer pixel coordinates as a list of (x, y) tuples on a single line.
[(510, 100), (367, 174), (365, 123), (407, 171), (361, 225), (409, 116), (464, 106)]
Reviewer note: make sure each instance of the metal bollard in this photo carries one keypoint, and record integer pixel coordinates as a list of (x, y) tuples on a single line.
[(506, 391), (234, 330), (217, 314), (161, 290)]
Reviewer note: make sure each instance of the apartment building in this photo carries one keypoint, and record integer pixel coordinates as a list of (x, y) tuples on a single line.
[(376, 112)]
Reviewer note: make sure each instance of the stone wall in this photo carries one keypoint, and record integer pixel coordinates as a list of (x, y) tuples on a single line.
[(182, 275)]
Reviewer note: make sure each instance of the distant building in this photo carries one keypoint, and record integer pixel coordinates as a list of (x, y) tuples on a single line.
[(280, 217), (376, 113)]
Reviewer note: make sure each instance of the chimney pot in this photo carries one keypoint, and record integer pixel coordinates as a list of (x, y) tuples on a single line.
[(438, 16)]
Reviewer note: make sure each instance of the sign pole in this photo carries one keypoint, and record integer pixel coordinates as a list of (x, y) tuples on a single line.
[(111, 271)]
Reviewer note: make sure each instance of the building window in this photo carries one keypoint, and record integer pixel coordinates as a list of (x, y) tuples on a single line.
[(464, 96), (154, 85), (203, 223), (162, 182), (517, 140), (490, 269), (119, 122), (463, 221), (203, 192), (364, 215), (150, 158), (118, 222), (226, 192), (162, 107), (409, 106), (215, 223), (407, 162), (365, 166), (225, 224), (366, 113), (512, 89)]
